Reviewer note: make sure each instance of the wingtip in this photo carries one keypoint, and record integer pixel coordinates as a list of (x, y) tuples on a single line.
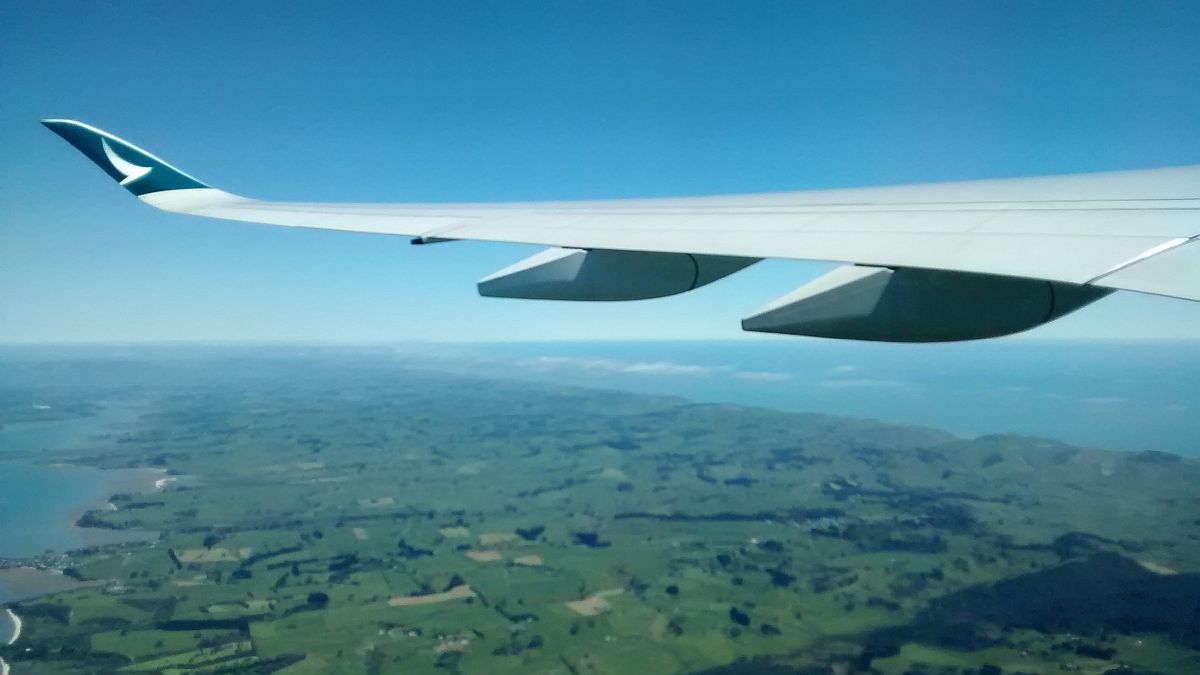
[(135, 169), (56, 123)]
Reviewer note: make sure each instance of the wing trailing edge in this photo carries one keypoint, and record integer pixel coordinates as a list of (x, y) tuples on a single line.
[(133, 168)]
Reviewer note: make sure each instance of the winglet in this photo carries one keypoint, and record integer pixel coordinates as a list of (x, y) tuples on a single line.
[(135, 169)]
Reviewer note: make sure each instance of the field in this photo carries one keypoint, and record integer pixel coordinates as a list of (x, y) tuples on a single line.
[(340, 514)]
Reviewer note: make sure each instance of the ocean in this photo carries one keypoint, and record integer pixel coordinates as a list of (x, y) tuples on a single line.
[(1119, 395)]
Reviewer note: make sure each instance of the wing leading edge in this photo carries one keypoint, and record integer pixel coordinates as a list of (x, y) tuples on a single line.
[(1133, 230)]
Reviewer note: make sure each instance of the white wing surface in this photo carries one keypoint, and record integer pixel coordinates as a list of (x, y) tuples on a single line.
[(1080, 234)]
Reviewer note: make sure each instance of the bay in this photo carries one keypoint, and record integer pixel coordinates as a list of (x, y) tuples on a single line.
[(39, 502)]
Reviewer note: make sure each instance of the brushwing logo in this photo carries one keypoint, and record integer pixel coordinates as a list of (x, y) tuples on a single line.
[(130, 170)]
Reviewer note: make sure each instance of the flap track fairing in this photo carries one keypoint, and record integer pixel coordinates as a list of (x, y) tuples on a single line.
[(913, 305), (605, 275)]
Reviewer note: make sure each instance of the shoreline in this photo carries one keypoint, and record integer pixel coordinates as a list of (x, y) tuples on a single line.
[(25, 582), (141, 481), (16, 626), (53, 518)]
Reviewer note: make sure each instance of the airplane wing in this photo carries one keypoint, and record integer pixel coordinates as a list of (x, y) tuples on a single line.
[(925, 263)]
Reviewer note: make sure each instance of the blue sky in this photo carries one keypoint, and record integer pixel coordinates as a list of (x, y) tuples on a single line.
[(520, 100)]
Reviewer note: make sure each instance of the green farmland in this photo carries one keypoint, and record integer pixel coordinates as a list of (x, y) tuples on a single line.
[(345, 515)]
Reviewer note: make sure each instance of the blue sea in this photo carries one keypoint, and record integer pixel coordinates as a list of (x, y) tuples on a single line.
[(1119, 395)]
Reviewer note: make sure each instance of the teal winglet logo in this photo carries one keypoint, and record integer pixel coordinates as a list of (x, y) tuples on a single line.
[(135, 169), (130, 170)]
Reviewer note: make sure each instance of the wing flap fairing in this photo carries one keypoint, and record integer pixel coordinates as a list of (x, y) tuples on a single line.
[(601, 275), (905, 305)]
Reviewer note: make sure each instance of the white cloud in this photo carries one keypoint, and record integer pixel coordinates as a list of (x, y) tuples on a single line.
[(762, 376), (1103, 400), (862, 383), (667, 368), (617, 366)]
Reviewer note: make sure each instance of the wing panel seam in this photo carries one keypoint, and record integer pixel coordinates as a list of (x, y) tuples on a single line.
[(1145, 255)]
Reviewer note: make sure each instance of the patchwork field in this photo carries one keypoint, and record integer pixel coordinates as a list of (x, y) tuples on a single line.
[(343, 515)]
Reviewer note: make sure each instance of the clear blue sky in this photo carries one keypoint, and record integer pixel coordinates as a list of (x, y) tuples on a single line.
[(521, 100)]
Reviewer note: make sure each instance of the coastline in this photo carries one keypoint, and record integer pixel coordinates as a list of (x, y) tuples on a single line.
[(136, 481), (45, 499), (25, 582), (29, 575)]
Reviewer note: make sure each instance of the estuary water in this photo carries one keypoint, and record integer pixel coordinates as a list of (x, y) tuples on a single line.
[(40, 502)]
